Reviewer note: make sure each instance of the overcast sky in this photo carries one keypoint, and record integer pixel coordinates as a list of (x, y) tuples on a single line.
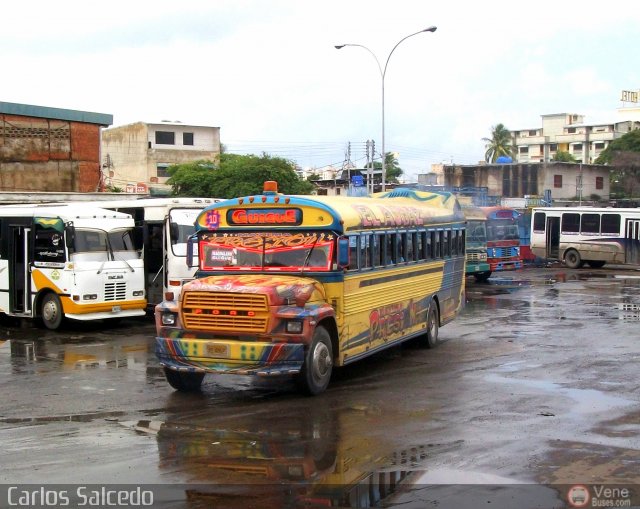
[(267, 73)]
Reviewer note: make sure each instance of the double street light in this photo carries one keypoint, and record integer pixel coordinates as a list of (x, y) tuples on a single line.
[(383, 72)]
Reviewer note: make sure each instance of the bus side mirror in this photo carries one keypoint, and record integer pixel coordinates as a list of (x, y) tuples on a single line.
[(70, 238), (343, 252), (192, 243), (174, 231)]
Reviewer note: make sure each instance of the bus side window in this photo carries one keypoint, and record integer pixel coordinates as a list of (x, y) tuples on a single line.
[(611, 224), (419, 246), (377, 253), (365, 251), (446, 244), (402, 247), (354, 262), (430, 236), (539, 222)]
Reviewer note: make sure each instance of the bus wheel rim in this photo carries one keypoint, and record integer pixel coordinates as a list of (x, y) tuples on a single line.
[(321, 365), (49, 311)]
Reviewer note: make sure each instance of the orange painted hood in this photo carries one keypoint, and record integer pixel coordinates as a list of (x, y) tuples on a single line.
[(280, 290)]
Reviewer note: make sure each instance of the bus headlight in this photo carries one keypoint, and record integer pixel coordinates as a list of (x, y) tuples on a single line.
[(138, 293), (294, 327), (89, 296), (168, 318)]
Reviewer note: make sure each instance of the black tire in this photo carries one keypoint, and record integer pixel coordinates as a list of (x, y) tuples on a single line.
[(184, 381), (318, 363), (482, 277), (51, 313), (430, 337), (596, 264), (572, 259)]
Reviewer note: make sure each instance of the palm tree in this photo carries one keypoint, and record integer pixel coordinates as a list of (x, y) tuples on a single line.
[(499, 144)]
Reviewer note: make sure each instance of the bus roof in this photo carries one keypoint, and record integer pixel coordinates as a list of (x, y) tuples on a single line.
[(400, 207), (585, 209), (65, 211)]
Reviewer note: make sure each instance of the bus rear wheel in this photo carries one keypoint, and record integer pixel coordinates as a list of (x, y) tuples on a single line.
[(51, 313), (184, 381), (318, 363), (572, 259), (430, 337)]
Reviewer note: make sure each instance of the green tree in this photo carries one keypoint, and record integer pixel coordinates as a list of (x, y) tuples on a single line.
[(195, 178), (629, 142), (499, 144), (391, 166), (563, 156), (236, 175), (624, 156)]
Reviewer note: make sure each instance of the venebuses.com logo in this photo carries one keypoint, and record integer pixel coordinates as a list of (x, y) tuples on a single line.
[(580, 495)]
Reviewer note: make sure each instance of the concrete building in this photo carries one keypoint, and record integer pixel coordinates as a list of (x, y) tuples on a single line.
[(50, 149), (565, 181), (135, 157), (567, 132)]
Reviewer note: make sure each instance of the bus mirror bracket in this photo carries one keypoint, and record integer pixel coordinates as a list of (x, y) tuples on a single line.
[(343, 252)]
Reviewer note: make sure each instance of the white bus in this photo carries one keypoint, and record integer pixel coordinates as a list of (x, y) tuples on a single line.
[(164, 225), (73, 261), (579, 235)]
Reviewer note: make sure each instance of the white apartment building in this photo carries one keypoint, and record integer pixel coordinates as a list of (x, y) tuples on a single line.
[(135, 157), (567, 132)]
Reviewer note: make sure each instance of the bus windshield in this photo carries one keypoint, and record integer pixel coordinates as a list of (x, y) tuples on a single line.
[(502, 229), (99, 245), (476, 231), (268, 251)]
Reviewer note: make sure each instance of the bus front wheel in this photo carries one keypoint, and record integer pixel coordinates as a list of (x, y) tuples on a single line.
[(183, 381), (572, 259), (51, 311), (318, 363)]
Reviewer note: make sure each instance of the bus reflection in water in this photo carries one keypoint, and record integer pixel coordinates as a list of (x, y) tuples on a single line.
[(296, 459)]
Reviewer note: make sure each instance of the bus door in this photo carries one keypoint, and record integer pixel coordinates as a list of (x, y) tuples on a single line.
[(154, 260), (553, 237), (19, 268), (632, 241)]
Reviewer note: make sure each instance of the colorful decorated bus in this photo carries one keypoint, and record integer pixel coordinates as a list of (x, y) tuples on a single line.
[(503, 238), (73, 261), (295, 285)]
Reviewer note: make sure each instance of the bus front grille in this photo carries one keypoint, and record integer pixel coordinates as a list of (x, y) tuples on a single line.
[(230, 312), (115, 291)]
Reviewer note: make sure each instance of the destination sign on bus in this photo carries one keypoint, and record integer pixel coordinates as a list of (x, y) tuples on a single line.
[(244, 217)]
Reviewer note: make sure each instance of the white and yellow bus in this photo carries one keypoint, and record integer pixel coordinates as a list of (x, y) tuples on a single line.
[(73, 261), (164, 225), (295, 285)]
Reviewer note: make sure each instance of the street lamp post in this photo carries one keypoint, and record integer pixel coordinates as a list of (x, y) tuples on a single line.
[(383, 73)]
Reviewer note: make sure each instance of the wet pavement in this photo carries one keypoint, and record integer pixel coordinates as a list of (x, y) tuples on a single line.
[(533, 390)]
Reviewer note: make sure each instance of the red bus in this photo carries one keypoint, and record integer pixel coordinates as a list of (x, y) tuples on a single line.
[(503, 238)]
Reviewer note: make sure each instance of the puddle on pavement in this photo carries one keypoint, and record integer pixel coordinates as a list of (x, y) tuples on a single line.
[(78, 355), (82, 417), (585, 401)]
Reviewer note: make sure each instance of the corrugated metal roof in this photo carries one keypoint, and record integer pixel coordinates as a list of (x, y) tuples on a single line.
[(28, 110)]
